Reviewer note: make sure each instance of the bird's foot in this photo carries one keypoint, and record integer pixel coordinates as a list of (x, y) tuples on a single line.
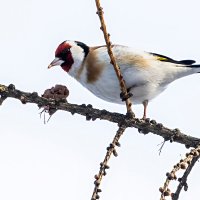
[(124, 96)]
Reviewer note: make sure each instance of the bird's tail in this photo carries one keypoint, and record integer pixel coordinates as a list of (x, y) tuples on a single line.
[(196, 68)]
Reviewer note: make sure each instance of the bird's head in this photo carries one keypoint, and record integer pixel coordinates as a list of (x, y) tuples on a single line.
[(70, 55)]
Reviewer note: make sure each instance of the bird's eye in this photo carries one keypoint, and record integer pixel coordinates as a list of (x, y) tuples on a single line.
[(63, 53)]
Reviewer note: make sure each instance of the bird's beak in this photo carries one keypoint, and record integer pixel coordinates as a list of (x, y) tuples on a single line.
[(56, 61)]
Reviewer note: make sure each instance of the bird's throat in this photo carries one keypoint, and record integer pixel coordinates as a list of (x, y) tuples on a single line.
[(66, 67)]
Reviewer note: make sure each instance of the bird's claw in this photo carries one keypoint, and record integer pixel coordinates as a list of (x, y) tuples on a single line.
[(124, 96)]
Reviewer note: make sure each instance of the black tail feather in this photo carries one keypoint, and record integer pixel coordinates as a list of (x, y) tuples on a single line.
[(193, 66), (186, 62)]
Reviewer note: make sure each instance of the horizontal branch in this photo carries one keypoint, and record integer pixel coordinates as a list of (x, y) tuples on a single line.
[(143, 126)]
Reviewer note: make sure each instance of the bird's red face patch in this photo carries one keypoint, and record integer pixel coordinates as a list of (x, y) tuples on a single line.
[(63, 52), (62, 48)]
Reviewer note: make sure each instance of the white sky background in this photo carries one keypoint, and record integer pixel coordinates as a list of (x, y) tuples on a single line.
[(59, 160)]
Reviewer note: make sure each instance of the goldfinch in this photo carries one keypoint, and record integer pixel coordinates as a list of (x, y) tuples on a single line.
[(146, 74)]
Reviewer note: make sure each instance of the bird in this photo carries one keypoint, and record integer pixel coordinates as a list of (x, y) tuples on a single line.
[(146, 74)]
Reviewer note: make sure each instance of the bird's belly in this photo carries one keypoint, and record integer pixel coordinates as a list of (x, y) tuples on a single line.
[(139, 82), (110, 91)]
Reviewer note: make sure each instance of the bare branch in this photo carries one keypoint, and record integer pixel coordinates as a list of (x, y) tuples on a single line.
[(144, 126), (183, 180), (184, 164), (112, 58), (104, 165)]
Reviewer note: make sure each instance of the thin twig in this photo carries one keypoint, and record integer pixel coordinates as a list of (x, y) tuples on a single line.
[(112, 58), (183, 180), (184, 164), (104, 165)]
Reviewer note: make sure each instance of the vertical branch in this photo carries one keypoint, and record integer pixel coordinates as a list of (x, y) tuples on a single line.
[(104, 165), (112, 58)]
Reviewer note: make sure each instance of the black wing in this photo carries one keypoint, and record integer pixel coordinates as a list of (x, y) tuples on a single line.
[(167, 59)]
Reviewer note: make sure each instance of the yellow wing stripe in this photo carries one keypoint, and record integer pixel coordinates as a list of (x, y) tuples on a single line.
[(161, 58)]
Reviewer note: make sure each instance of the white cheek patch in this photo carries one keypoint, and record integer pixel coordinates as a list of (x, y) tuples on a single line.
[(78, 57), (77, 53)]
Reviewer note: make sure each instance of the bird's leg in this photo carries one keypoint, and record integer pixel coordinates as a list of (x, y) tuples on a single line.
[(145, 103), (124, 97)]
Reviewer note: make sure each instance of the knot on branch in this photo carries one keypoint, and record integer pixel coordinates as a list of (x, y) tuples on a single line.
[(11, 87), (100, 11), (58, 93)]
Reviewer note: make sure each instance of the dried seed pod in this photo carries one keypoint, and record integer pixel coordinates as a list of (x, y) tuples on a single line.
[(88, 118), (34, 94), (175, 177), (168, 190), (96, 177), (161, 189), (178, 165), (106, 166), (189, 162), (99, 190), (89, 106), (159, 125), (176, 130), (117, 144), (170, 176), (11, 87), (115, 153), (97, 183), (187, 154), (153, 122), (191, 153), (196, 153), (94, 118), (183, 166), (166, 193), (108, 148)]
